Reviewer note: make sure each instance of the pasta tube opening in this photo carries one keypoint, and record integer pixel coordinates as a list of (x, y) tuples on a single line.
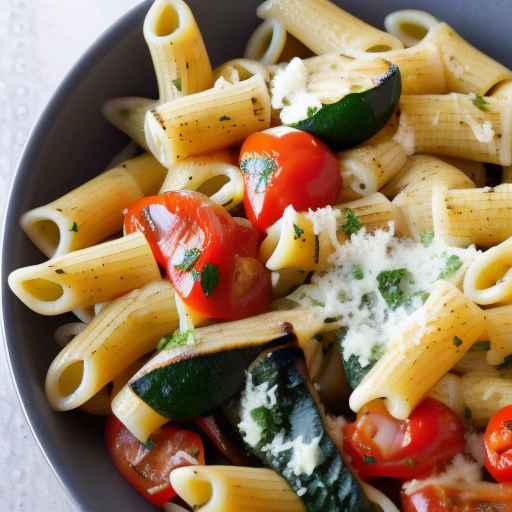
[(43, 289), (166, 21), (409, 25), (267, 42), (71, 378), (197, 491)]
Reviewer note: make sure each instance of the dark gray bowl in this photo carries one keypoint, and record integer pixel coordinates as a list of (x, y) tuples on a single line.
[(71, 143)]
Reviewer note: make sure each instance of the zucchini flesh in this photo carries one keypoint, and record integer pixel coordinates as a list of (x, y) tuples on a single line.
[(330, 486), (194, 386), (357, 116)]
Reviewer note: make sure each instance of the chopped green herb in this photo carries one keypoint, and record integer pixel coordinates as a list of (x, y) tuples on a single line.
[(376, 353), (196, 276), (224, 118), (270, 422), (74, 227), (316, 302), (389, 282), (480, 103), (298, 231), (457, 341), (189, 259), (369, 459), (209, 278), (352, 223), (422, 295), (59, 271), (481, 346), (426, 238), (176, 339), (357, 272), (286, 102), (259, 168), (312, 111), (177, 83), (506, 363), (149, 444), (453, 263)]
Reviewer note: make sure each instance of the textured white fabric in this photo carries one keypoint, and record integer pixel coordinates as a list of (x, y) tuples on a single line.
[(39, 41)]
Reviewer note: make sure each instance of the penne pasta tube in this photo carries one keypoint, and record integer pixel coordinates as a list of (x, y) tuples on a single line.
[(421, 68), (479, 216), (475, 171), (140, 419), (422, 172), (485, 393), (467, 69), (92, 212), (457, 125), (209, 120), (177, 48), (294, 48), (473, 361), (127, 114), (430, 342), (409, 25), (125, 330), (267, 42), (215, 174), (367, 169), (502, 90), (488, 279), (498, 322), (237, 70), (326, 28), (293, 241), (449, 391), (83, 278), (233, 489)]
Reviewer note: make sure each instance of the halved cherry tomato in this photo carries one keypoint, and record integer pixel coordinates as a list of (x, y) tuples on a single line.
[(477, 497), (210, 257), (283, 166), (498, 445), (147, 466), (381, 446)]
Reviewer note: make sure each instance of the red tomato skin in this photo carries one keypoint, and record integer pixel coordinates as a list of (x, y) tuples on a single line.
[(498, 445), (422, 444), (305, 175), (121, 443), (178, 221)]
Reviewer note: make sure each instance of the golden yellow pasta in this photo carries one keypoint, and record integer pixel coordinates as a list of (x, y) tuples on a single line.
[(449, 391), (498, 322), (267, 42)]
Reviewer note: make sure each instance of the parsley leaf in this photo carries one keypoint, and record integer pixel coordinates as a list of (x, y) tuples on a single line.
[(176, 339), (312, 111), (352, 223), (209, 278), (224, 118), (369, 459), (189, 259), (357, 272), (389, 286), (74, 227), (196, 276), (453, 263), (426, 238), (298, 231), (177, 83), (457, 341), (480, 103), (506, 363), (149, 444), (481, 346), (259, 168)]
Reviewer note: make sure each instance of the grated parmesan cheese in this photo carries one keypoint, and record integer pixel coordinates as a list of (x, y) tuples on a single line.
[(357, 302)]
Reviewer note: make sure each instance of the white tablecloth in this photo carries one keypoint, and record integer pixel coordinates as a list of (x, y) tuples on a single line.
[(39, 41)]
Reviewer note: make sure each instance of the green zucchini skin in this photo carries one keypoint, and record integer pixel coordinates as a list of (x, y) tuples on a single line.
[(331, 487), (357, 116), (195, 386)]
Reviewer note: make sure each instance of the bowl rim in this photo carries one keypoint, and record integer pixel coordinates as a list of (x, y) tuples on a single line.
[(87, 60)]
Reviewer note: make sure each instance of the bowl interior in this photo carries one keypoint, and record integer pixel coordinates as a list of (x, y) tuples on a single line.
[(72, 143)]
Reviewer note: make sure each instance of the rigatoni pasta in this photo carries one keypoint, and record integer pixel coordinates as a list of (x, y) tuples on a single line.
[(267, 42)]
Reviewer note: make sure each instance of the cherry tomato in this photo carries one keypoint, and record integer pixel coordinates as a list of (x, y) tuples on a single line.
[(210, 257), (283, 166), (381, 446), (477, 497), (498, 445), (147, 466)]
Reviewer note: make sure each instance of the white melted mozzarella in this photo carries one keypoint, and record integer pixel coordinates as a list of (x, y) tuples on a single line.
[(348, 291)]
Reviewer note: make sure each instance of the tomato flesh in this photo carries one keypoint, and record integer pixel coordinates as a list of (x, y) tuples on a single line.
[(210, 257), (381, 446), (480, 497), (498, 445), (147, 467), (283, 166)]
